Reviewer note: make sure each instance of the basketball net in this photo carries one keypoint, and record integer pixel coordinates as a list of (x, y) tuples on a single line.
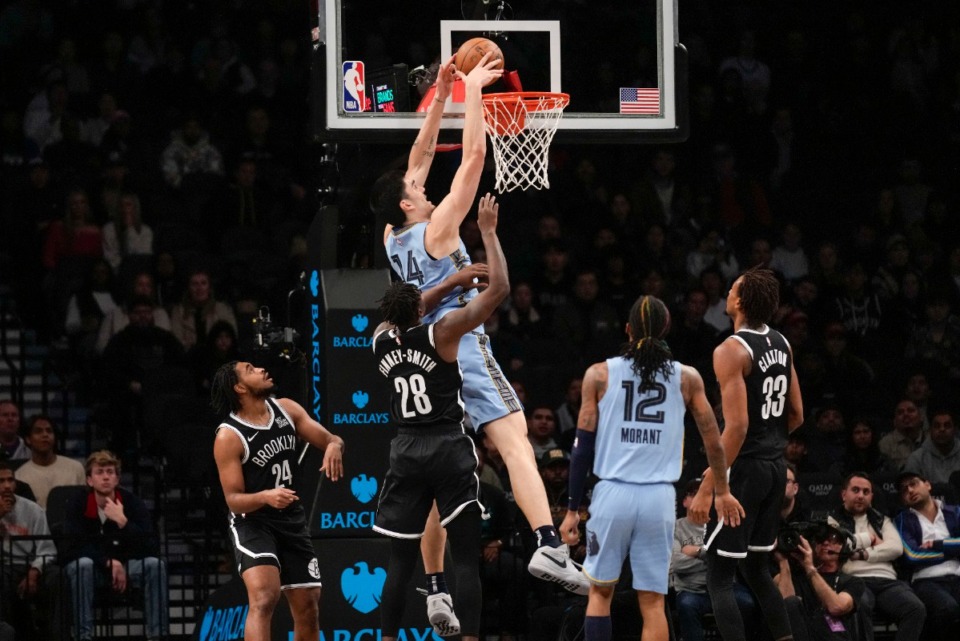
[(521, 126)]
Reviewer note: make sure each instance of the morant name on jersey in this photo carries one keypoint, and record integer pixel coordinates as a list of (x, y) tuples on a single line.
[(410, 356), (640, 435)]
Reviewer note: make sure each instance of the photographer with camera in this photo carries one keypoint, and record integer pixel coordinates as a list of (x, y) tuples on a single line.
[(820, 599), (875, 546)]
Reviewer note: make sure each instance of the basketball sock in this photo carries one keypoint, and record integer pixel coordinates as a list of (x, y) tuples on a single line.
[(597, 628), (436, 584), (547, 535)]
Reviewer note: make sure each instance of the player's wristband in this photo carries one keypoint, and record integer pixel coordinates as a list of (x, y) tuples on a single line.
[(580, 463)]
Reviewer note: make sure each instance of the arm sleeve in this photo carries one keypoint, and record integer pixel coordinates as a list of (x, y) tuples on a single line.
[(914, 555), (580, 463)]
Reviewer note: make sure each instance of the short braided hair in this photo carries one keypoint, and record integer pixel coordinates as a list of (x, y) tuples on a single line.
[(400, 305)]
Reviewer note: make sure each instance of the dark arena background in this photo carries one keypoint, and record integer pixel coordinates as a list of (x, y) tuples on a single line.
[(180, 155)]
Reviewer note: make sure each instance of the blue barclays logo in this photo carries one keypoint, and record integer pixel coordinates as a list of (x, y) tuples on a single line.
[(360, 399), (352, 341), (359, 322), (363, 487), (223, 624), (361, 418), (374, 634), (346, 520), (361, 587), (314, 283)]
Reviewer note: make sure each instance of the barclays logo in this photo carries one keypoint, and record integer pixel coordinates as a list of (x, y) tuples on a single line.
[(363, 487), (347, 520), (359, 323), (361, 418), (314, 283), (360, 399), (363, 342), (223, 624), (361, 587), (375, 634)]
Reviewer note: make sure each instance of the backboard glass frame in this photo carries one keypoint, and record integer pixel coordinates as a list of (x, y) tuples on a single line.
[(333, 123)]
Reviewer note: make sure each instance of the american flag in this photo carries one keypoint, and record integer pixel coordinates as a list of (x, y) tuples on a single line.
[(639, 101)]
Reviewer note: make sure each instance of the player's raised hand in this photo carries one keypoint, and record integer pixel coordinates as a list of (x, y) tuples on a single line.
[(488, 210), (484, 73), (473, 276), (446, 74)]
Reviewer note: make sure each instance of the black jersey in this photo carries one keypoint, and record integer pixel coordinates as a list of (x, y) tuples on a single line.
[(768, 390), (424, 389), (269, 457)]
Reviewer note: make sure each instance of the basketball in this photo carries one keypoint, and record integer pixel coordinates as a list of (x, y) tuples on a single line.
[(471, 51)]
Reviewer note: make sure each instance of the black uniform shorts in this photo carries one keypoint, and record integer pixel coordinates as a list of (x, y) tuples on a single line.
[(260, 540), (759, 485), (427, 464)]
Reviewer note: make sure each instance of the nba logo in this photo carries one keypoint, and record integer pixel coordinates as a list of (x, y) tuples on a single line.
[(353, 86)]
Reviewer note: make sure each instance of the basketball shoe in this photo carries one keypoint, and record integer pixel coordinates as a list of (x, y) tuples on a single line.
[(554, 564), (440, 613)]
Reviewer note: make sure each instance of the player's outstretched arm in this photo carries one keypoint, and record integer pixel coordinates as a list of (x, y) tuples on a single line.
[(425, 146), (470, 277), (444, 228), (450, 328), (317, 435), (695, 398), (228, 453)]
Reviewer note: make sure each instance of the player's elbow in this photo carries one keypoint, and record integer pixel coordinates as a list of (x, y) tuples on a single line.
[(499, 289), (794, 419)]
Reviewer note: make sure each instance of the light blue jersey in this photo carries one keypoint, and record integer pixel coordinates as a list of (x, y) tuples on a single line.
[(413, 264), (640, 434), (487, 394)]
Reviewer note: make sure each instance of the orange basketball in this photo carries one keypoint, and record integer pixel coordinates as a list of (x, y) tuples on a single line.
[(471, 51)]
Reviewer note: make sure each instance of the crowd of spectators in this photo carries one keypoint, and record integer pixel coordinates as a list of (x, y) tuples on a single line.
[(158, 181)]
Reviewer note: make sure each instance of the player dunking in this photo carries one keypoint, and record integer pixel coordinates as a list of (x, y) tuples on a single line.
[(423, 244), (761, 404), (255, 450), (432, 458), (630, 432)]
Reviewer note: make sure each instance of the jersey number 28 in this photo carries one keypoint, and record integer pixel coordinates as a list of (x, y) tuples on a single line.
[(413, 389), (775, 394)]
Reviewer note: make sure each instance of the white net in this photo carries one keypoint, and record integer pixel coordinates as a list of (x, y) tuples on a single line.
[(521, 127)]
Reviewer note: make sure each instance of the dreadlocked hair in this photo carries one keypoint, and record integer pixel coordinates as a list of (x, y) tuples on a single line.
[(649, 323), (223, 398), (400, 305), (759, 295)]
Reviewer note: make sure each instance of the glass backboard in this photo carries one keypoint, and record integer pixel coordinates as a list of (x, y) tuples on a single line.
[(619, 60)]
